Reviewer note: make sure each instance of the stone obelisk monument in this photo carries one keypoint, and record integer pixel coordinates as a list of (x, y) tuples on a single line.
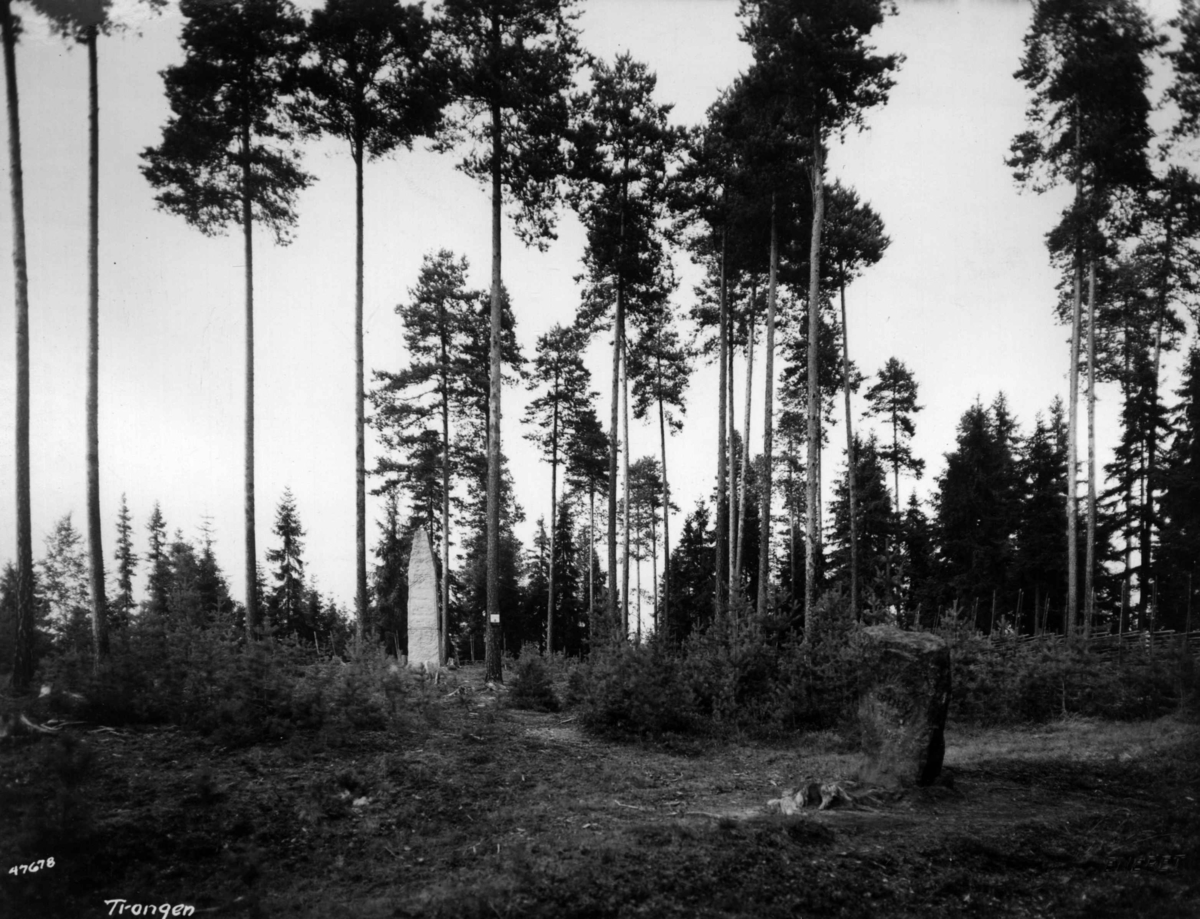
[(424, 635)]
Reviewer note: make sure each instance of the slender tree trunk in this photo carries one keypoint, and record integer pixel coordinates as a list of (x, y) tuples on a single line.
[(95, 535), (1073, 419), (625, 488), (812, 536), (1151, 478), (23, 662), (253, 626), (851, 468), (614, 608), (591, 553), (1089, 591), (445, 387), (654, 569), (745, 461), (1127, 584), (739, 556), (638, 562), (662, 433), (553, 518), (360, 448), (492, 666), (896, 486), (722, 509), (735, 587), (791, 491), (764, 530)]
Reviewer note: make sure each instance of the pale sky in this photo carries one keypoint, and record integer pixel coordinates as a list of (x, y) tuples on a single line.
[(964, 296)]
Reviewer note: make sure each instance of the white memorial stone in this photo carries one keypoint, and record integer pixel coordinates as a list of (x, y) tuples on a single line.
[(424, 645)]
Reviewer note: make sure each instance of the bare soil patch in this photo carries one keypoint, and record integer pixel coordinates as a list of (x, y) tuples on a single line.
[(481, 810)]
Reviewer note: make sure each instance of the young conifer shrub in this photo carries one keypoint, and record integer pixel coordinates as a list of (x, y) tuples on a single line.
[(531, 686)]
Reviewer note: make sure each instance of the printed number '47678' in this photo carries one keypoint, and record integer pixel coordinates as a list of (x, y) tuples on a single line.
[(32, 866)]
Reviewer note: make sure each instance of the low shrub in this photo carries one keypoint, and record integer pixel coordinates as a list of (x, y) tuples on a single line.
[(238, 692), (634, 690), (1004, 681), (531, 686)]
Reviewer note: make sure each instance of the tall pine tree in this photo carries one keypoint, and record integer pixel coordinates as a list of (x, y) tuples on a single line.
[(226, 155), (513, 65)]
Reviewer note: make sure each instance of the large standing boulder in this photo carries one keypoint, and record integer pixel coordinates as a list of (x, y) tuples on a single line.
[(905, 681), (424, 634)]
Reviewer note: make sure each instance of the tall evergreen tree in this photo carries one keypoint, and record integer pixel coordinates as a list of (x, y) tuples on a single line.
[(558, 367), (1084, 66), (756, 118), (121, 610), (622, 146), (855, 240), (816, 56), (660, 364), (26, 613), (63, 575), (225, 156), (1180, 543), (919, 576), (977, 509), (514, 61), (587, 452), (569, 609), (692, 568), (288, 558), (414, 408), (865, 553), (708, 197), (645, 505), (373, 84), (1039, 565), (83, 21), (391, 579), (158, 584), (893, 400)]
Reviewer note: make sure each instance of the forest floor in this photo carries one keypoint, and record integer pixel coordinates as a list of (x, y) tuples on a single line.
[(482, 810)]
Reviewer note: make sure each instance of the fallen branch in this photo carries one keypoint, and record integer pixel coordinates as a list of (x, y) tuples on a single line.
[(13, 725), (632, 807)]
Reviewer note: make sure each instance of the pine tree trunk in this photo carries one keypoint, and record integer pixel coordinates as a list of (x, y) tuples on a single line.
[(666, 491), (1146, 547), (591, 553), (614, 608), (1073, 419), (764, 531), (360, 449), (745, 461), (492, 666), (553, 519), (1089, 590), (1147, 523), (896, 486), (95, 535), (23, 662), (812, 537), (253, 626), (445, 387), (638, 562), (654, 568), (735, 587), (851, 468), (722, 510), (625, 487)]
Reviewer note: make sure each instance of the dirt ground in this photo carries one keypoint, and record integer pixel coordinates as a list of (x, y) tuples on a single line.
[(482, 810)]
